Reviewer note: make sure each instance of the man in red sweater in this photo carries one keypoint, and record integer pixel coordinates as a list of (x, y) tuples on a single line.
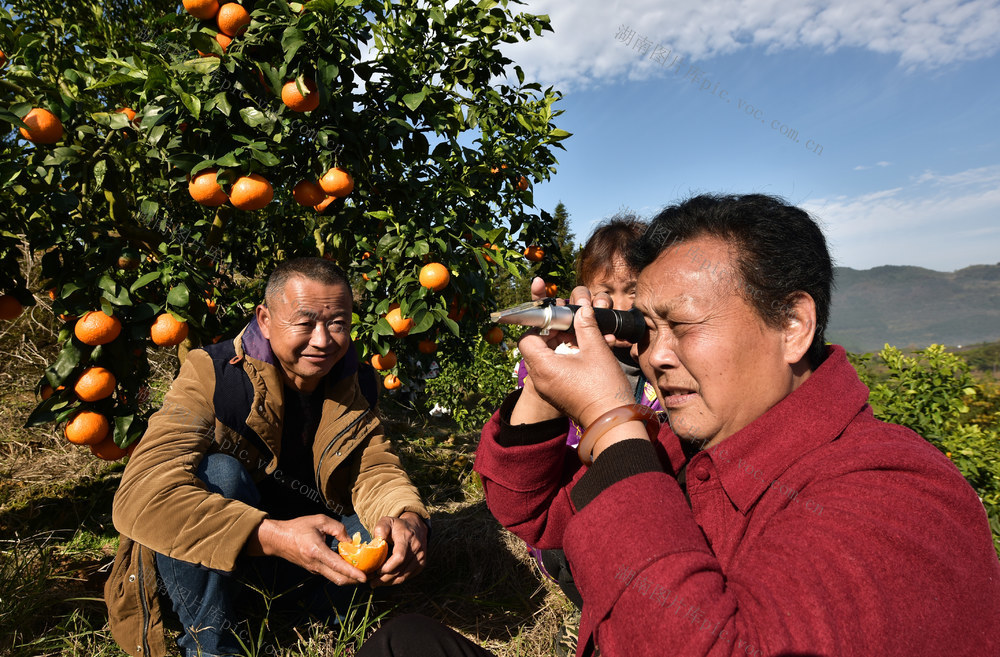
[(779, 517)]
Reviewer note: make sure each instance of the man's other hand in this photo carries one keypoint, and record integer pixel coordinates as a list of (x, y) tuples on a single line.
[(407, 535), (303, 541)]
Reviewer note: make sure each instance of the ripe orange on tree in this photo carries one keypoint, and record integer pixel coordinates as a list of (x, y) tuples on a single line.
[(87, 428), (10, 307), (94, 384), (324, 204), (496, 170), (107, 450), (127, 259), (128, 112), (434, 276), (3, 59), (522, 184), (293, 98), (386, 362), (455, 313), (367, 557), (427, 346), (96, 328), (167, 331), (494, 335), (223, 40), (551, 289), (493, 247), (44, 127), (337, 182), (534, 253), (307, 192), (205, 190), (391, 382), (251, 192), (203, 9), (400, 325), (233, 19)]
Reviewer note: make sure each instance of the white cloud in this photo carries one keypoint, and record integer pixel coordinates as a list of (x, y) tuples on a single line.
[(939, 221), (863, 167), (584, 51)]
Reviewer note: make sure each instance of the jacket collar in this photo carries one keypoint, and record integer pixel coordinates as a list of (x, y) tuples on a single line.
[(814, 414), (251, 343)]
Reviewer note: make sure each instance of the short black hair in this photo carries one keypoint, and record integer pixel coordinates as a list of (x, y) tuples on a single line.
[(315, 269), (614, 237), (780, 250)]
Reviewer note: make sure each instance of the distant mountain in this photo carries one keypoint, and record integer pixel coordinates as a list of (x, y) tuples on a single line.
[(913, 306)]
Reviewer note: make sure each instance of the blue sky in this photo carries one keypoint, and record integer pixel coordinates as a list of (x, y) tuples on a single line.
[(895, 108)]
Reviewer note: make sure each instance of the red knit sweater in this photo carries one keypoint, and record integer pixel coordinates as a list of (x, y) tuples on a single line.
[(815, 530)]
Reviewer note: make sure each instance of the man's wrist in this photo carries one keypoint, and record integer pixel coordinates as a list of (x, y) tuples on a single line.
[(259, 542)]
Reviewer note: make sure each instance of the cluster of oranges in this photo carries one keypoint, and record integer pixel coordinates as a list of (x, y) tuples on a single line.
[(96, 383), (231, 18), (254, 191), (250, 192), (335, 183), (435, 277)]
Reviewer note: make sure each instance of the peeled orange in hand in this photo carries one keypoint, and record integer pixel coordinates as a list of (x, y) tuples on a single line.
[(367, 557)]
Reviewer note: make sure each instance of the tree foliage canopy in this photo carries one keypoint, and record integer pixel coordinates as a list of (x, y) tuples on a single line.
[(441, 132)]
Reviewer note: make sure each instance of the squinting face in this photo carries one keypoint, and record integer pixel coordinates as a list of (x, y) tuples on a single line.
[(618, 283), (309, 327), (716, 365)]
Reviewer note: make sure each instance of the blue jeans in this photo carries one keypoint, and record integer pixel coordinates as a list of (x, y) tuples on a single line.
[(206, 600)]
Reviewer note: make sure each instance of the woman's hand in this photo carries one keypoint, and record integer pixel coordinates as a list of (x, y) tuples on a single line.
[(583, 385)]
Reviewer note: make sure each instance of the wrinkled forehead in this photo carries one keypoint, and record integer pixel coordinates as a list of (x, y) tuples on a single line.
[(313, 300)]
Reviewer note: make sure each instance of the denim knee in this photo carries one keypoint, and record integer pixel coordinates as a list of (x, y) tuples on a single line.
[(225, 475)]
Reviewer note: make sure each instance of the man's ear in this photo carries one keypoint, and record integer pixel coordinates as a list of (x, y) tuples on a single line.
[(264, 320), (800, 326)]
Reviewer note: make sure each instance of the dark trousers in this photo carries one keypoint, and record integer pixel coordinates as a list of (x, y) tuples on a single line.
[(208, 602), (413, 635)]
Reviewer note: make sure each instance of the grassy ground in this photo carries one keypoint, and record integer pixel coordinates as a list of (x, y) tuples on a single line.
[(57, 540)]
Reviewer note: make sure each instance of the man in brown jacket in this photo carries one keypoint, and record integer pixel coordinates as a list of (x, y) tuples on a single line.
[(267, 451)]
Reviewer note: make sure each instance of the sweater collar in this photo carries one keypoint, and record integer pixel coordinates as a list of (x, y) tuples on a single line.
[(814, 414)]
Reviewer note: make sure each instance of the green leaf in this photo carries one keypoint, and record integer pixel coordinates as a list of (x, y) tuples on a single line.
[(292, 39), (254, 117), (230, 159), (192, 104), (267, 159), (122, 424), (424, 320), (67, 361), (413, 100), (99, 170), (145, 280), (452, 326), (179, 296), (221, 101)]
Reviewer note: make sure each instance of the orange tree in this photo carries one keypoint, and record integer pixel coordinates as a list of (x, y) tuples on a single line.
[(151, 158)]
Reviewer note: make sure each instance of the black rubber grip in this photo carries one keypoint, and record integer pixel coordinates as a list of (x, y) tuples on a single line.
[(627, 325)]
